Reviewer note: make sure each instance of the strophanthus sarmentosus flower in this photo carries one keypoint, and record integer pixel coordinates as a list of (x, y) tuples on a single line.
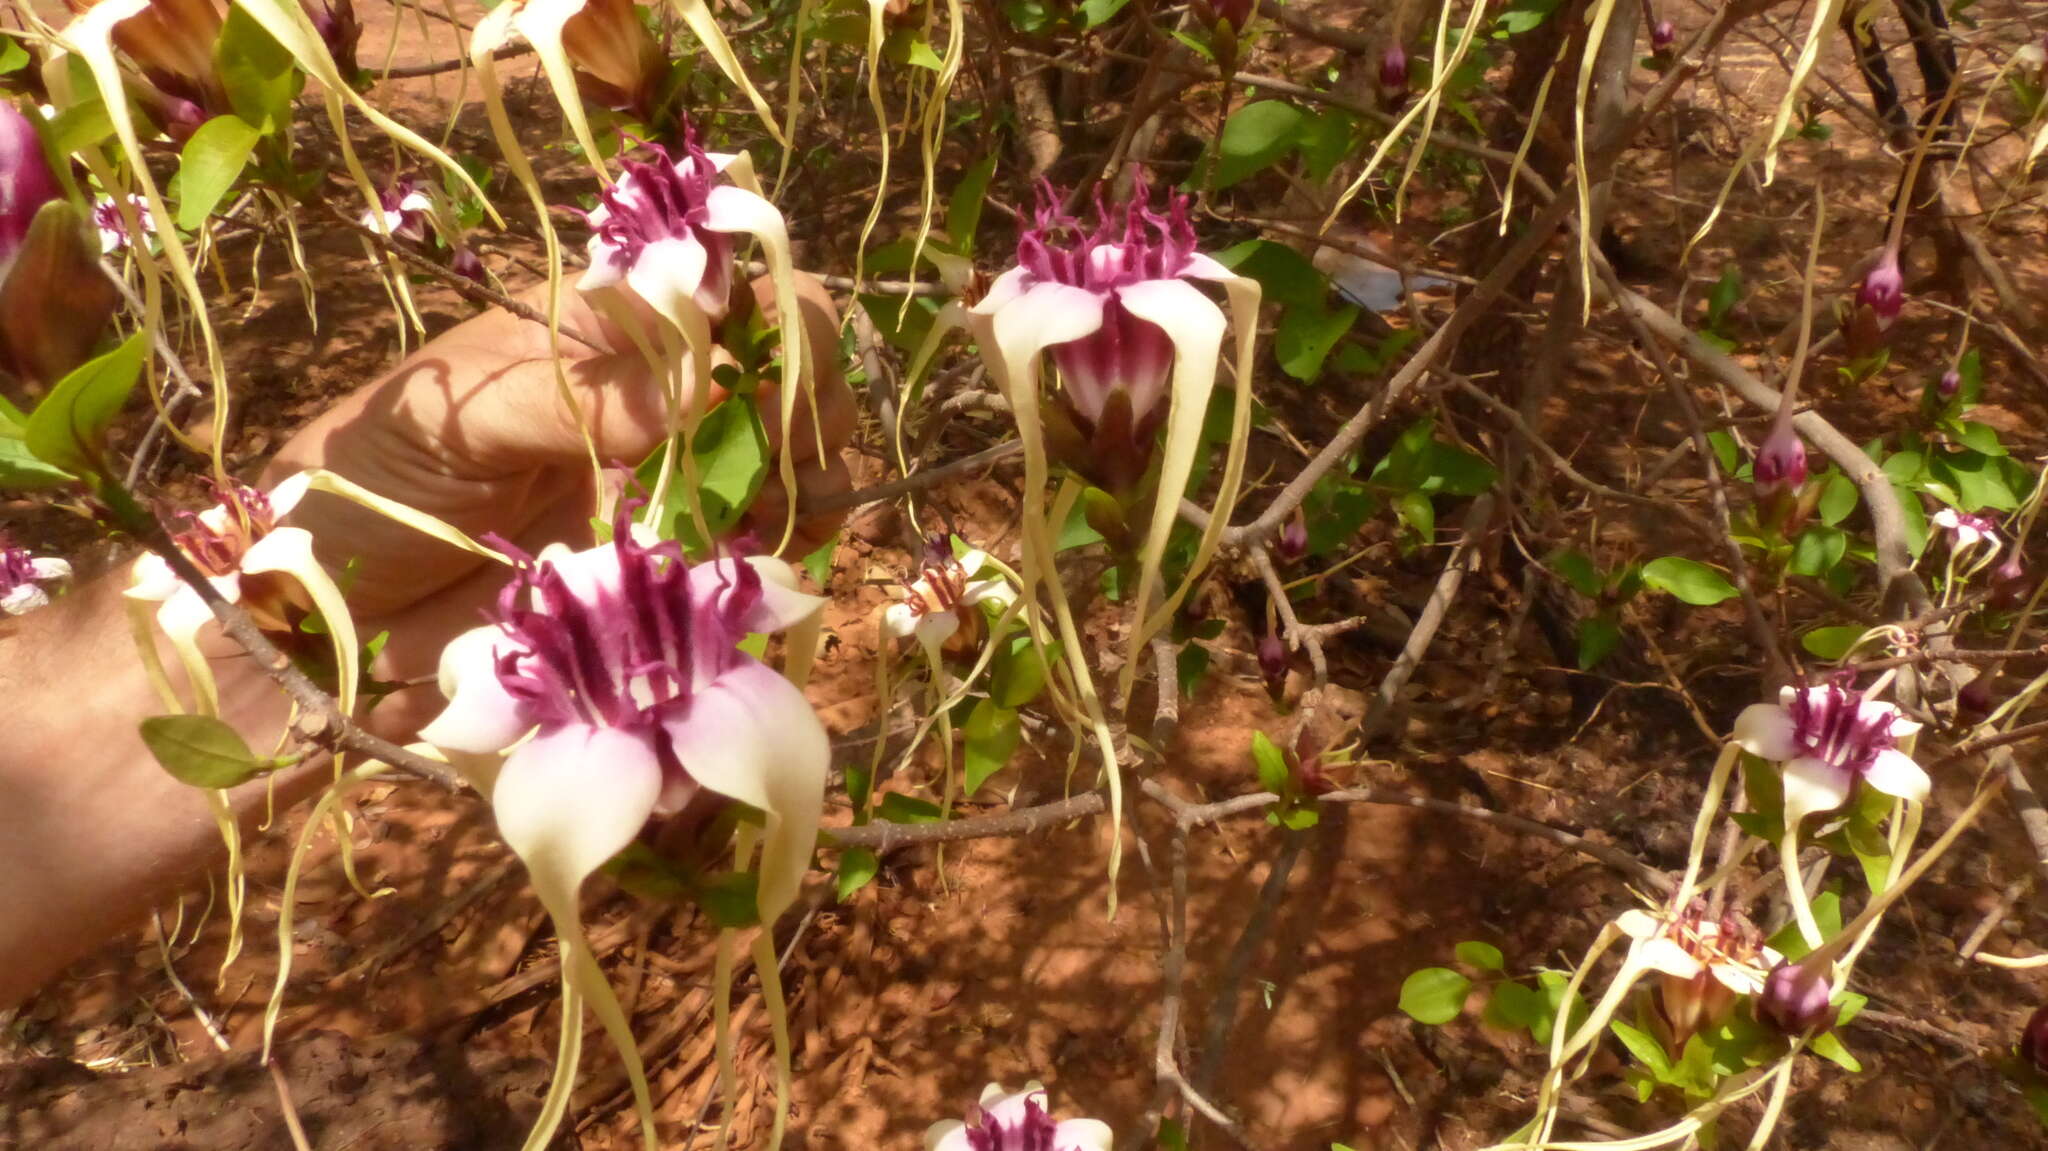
[(22, 577), (1703, 963), (1129, 331), (402, 211), (944, 597), (1016, 1121), (254, 561), (612, 682)]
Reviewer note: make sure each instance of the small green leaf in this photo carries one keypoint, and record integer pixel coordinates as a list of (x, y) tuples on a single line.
[(14, 57), (1434, 995), (202, 751), (1418, 513), (1644, 1047), (992, 736), (210, 164), (1827, 913), (1096, 13), (1553, 984), (1829, 1047), (1817, 550), (857, 868), (1689, 580), (1271, 764), (1837, 499), (731, 899), (1019, 672), (1599, 635), (256, 72), (819, 562), (1513, 1005), (963, 207), (1484, 956), (1979, 437), (1305, 335), (67, 428), (1831, 643), (1253, 138), (1576, 569), (1726, 454)]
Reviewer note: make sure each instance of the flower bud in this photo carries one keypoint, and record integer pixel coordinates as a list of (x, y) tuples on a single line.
[(1973, 702), (339, 29), (2034, 1040), (467, 264), (2009, 584), (1236, 13), (1394, 73), (1292, 543), (26, 181), (1795, 999), (1663, 36), (1780, 466), (1273, 661), (172, 42), (1951, 383), (618, 64), (1884, 289)]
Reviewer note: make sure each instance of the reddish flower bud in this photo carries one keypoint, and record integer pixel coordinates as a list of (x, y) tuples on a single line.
[(1795, 999), (2009, 583), (1780, 463), (26, 181), (1884, 289), (1973, 702), (1663, 36), (467, 264), (1394, 71), (1951, 383), (618, 63), (1273, 661), (1236, 13), (1292, 543), (2034, 1040)]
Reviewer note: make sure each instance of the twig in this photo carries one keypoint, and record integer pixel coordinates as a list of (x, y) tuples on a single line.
[(409, 71), (1431, 617), (1223, 1009), (915, 482)]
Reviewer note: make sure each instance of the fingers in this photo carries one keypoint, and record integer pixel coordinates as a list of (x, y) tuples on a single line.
[(770, 509)]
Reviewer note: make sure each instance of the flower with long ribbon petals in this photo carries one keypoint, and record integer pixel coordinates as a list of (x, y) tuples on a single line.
[(1965, 530), (1704, 963), (22, 576), (1828, 738), (402, 211), (235, 543), (944, 598), (613, 681), (1016, 1121)]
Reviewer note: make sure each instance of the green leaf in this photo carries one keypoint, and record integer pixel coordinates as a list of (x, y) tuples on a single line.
[(20, 470), (13, 57), (1829, 1047), (1484, 956), (1837, 499), (1305, 336), (202, 751), (1915, 516), (212, 161), (897, 807), (1970, 371), (1818, 549), (731, 899), (1096, 13), (256, 72), (1726, 454), (1335, 509), (1271, 764), (1418, 513), (819, 562), (732, 463), (1724, 295), (1827, 913), (1599, 635), (1285, 276), (963, 207), (1689, 580), (1189, 667), (1513, 1005), (1019, 672), (1644, 1047), (1253, 138), (67, 428), (1831, 643), (1325, 142), (1577, 569), (81, 126), (992, 736), (910, 49), (1295, 818), (857, 868), (1979, 437), (1553, 984), (1434, 995)]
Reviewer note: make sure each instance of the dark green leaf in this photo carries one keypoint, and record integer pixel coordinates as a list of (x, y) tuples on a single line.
[(1305, 336), (731, 899), (1577, 569), (857, 868), (1599, 635), (897, 807), (1254, 137), (1725, 294), (963, 207), (1019, 672), (1514, 1005), (1689, 580), (202, 751), (1818, 549), (992, 736), (819, 562)]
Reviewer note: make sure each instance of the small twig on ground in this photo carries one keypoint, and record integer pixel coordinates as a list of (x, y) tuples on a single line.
[(1431, 617)]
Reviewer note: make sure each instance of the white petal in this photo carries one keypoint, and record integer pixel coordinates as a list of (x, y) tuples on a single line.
[(1044, 315), (997, 591), (481, 715), (1003, 290), (752, 736), (1082, 1135), (1638, 924), (24, 598), (667, 274), (152, 579), (568, 800), (783, 605), (588, 574), (947, 1135), (1766, 730), (283, 550), (50, 568), (1946, 518), (607, 266), (288, 492), (933, 631), (1663, 955), (1206, 268), (730, 209), (1737, 978), (1813, 784), (898, 620), (1895, 773)]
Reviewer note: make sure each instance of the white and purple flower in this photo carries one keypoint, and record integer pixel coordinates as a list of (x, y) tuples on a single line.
[(1016, 1121), (664, 229), (106, 217), (944, 598), (238, 545), (612, 680), (1965, 531), (1828, 738), (402, 211), (1110, 304), (22, 576), (1704, 962)]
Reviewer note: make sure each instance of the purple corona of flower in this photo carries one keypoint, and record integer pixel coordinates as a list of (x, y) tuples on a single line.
[(1828, 738), (1016, 1121), (1884, 289), (466, 263), (402, 211), (1796, 999), (113, 230), (665, 228), (623, 661), (1780, 463), (26, 181), (1662, 36), (1112, 294), (238, 544), (22, 576)]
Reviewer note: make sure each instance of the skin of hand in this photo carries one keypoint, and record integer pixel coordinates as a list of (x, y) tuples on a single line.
[(472, 429)]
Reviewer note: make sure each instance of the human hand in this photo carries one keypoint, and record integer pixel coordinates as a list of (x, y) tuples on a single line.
[(473, 429)]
